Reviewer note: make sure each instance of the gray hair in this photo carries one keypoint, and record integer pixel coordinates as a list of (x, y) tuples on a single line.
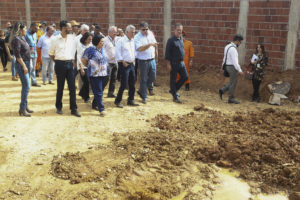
[(84, 27), (129, 27), (110, 29)]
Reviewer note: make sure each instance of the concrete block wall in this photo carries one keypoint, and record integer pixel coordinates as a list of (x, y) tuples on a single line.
[(208, 23)]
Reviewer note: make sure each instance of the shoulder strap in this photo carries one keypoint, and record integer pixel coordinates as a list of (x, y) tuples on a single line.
[(227, 53)]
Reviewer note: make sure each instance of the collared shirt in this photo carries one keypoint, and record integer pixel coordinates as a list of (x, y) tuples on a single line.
[(63, 48), (44, 43), (232, 57), (80, 50), (125, 50), (32, 40), (7, 42), (174, 49), (97, 64), (142, 40), (21, 48), (110, 49)]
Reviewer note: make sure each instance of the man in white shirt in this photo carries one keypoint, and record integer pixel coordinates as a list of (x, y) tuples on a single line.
[(232, 67), (109, 48), (146, 50), (62, 51), (48, 64), (125, 53)]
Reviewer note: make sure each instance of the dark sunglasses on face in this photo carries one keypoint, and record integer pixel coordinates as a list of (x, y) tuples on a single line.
[(145, 29)]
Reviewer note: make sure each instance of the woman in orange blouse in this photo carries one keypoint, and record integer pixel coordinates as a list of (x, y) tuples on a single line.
[(188, 59), (39, 63)]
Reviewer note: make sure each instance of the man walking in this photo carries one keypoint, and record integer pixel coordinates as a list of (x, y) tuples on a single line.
[(48, 64), (175, 57), (110, 51), (232, 67), (62, 51), (125, 53), (146, 50), (32, 41)]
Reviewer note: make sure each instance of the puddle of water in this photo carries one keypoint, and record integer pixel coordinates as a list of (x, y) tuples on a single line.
[(232, 188)]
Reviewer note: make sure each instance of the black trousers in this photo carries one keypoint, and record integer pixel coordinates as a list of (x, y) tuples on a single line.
[(85, 89), (255, 83), (127, 77), (111, 78), (4, 58), (65, 70)]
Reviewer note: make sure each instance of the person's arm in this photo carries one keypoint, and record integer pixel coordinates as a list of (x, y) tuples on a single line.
[(20, 60), (40, 42), (168, 54), (192, 53), (8, 51), (235, 59), (17, 51), (51, 51)]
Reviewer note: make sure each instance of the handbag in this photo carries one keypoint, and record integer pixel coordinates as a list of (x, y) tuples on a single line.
[(249, 72), (226, 74)]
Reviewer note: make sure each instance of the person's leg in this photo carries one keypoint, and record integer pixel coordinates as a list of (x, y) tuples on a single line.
[(70, 75), (32, 69), (51, 71), (107, 78), (61, 71), (84, 91), (124, 72), (151, 75), (233, 75), (254, 96), (45, 66), (25, 80), (113, 79), (173, 76), (136, 67), (131, 83), (144, 68), (183, 76)]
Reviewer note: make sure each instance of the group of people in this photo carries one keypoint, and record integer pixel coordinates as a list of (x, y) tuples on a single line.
[(96, 60)]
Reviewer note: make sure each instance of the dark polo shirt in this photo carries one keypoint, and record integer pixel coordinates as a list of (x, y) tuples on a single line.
[(174, 49)]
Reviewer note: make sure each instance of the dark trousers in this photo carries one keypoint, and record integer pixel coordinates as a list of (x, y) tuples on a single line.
[(111, 78), (233, 76), (136, 67), (127, 76), (4, 58), (177, 68), (85, 89), (64, 70), (97, 87), (255, 84)]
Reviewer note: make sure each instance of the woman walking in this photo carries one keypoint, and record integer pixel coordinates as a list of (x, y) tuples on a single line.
[(22, 52)]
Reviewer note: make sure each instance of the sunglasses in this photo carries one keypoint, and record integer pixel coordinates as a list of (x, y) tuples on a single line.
[(145, 29)]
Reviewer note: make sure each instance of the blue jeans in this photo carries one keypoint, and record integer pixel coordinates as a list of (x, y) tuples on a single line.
[(96, 84), (147, 76), (25, 80), (177, 67), (32, 70), (127, 77), (47, 67), (13, 66)]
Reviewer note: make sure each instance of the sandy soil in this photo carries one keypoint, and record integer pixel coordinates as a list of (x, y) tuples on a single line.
[(160, 150)]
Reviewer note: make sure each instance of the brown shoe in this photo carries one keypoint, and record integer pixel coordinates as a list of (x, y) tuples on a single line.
[(14, 78)]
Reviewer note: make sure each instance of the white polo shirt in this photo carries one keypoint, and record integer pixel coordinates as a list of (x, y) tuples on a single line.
[(63, 48), (142, 40)]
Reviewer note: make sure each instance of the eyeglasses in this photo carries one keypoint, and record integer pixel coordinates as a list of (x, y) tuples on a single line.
[(145, 29)]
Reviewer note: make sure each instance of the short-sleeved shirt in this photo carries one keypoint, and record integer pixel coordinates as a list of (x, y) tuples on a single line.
[(44, 43), (21, 48), (7, 42), (32, 40), (174, 49), (97, 64), (142, 40)]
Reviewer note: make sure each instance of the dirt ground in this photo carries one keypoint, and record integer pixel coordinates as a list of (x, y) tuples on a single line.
[(160, 150)]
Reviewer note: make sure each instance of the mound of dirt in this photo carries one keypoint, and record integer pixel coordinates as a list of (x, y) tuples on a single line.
[(164, 163)]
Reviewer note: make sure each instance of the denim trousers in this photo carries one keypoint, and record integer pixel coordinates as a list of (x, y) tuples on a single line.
[(65, 70), (97, 88), (47, 68), (25, 80), (147, 76), (127, 77), (177, 68), (32, 70), (13, 66)]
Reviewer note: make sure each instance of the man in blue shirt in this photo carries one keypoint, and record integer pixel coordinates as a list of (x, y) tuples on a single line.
[(32, 40), (175, 57)]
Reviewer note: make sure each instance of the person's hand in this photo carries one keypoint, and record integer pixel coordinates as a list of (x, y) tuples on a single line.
[(10, 58), (169, 67), (125, 64), (241, 73), (82, 72), (25, 70), (190, 64)]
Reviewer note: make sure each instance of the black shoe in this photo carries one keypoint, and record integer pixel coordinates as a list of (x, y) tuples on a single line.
[(151, 93), (177, 94), (95, 108), (51, 83), (257, 100), (177, 100), (36, 85), (187, 87), (233, 101), (118, 104), (75, 113), (221, 93), (5, 69), (132, 103), (87, 100), (24, 113), (144, 101), (28, 110), (59, 111), (111, 95)]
